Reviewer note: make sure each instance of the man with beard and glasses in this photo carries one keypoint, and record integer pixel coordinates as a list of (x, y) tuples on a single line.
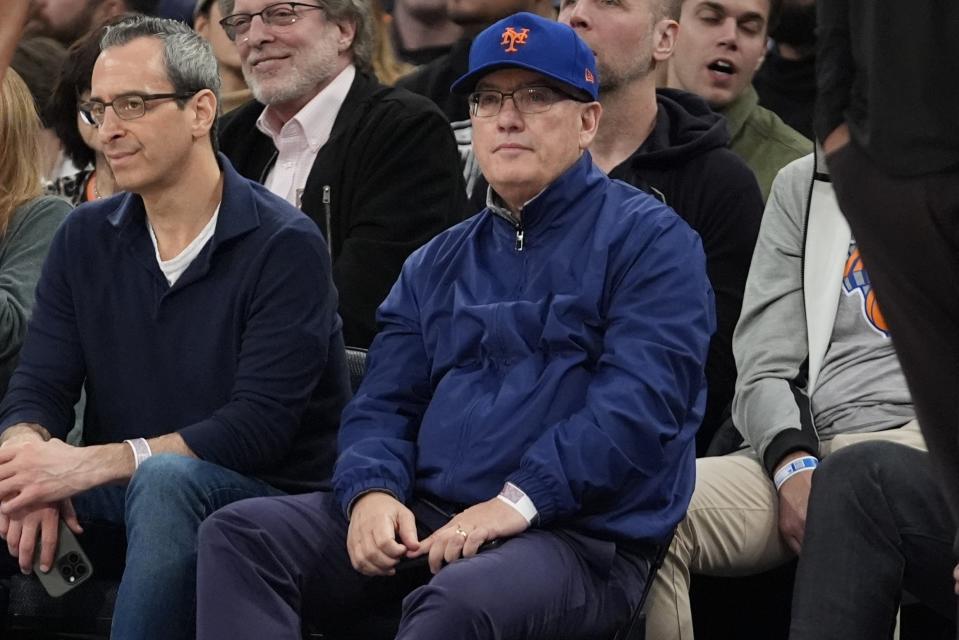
[(786, 81), (719, 47), (375, 167)]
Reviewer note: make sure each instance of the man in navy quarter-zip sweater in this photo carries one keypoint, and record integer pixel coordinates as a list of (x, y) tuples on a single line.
[(538, 373), (375, 167), (198, 312)]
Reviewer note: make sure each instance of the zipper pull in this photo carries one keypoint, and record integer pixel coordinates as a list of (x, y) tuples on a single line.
[(520, 234), (327, 198)]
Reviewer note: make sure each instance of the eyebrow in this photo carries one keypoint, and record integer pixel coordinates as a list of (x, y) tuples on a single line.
[(124, 94), (721, 9)]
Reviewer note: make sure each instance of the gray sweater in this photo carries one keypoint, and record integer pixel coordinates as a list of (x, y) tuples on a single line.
[(800, 334), (23, 249)]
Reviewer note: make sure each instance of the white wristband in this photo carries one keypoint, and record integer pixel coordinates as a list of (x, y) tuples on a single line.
[(141, 451), (517, 498), (799, 465)]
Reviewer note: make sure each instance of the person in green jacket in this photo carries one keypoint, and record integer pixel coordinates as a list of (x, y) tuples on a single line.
[(27, 219), (720, 46)]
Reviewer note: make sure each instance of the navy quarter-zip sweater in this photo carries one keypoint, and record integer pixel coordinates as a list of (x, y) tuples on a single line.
[(242, 356)]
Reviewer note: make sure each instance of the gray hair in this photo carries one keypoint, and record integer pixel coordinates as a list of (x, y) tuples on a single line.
[(188, 58), (357, 12)]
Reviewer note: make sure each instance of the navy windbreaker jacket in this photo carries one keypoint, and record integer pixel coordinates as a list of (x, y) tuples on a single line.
[(564, 354)]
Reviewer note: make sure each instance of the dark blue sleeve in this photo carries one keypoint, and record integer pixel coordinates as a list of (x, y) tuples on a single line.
[(377, 439), (648, 388), (283, 351), (50, 372)]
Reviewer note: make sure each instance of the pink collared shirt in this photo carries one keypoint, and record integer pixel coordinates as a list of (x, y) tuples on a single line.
[(300, 139)]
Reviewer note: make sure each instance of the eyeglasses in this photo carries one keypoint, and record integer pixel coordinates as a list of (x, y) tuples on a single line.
[(86, 116), (282, 14), (128, 107), (488, 102)]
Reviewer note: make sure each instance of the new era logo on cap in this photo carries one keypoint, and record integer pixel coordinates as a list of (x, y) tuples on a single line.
[(528, 41)]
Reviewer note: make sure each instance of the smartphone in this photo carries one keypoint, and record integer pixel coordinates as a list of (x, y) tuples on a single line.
[(71, 566)]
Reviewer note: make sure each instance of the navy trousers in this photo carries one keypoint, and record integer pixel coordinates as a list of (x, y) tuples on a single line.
[(267, 564)]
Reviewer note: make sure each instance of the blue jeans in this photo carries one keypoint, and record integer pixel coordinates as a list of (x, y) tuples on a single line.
[(161, 509)]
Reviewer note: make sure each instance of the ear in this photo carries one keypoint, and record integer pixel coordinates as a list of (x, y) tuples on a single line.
[(664, 39), (762, 58), (347, 34), (201, 24), (204, 109), (589, 123)]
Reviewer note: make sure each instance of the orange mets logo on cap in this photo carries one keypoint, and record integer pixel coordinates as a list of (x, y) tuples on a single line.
[(512, 37), (589, 76)]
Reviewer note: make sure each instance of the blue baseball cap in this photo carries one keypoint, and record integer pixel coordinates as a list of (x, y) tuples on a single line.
[(528, 41)]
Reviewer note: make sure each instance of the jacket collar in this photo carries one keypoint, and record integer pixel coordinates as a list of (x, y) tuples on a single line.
[(555, 200), (738, 111), (360, 91), (257, 154), (238, 216)]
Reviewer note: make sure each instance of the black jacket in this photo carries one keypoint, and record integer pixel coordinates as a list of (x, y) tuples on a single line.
[(686, 163), (387, 181), (888, 68), (433, 80), (788, 89)]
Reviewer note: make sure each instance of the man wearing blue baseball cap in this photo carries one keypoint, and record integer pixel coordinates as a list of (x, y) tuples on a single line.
[(525, 429)]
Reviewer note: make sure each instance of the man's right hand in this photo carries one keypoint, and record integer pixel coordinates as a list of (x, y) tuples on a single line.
[(382, 530), (22, 533)]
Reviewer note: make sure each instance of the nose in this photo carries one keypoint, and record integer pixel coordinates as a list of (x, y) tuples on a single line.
[(509, 117), (111, 128), (574, 15), (728, 33), (258, 33)]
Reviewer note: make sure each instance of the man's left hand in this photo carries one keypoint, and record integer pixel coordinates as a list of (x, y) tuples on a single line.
[(467, 531), (35, 473)]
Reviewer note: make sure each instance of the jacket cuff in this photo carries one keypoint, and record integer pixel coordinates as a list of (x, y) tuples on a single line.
[(349, 497), (538, 492), (786, 442), (32, 417)]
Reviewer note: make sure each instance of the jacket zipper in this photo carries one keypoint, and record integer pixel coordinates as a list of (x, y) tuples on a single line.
[(518, 227), (327, 198)]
